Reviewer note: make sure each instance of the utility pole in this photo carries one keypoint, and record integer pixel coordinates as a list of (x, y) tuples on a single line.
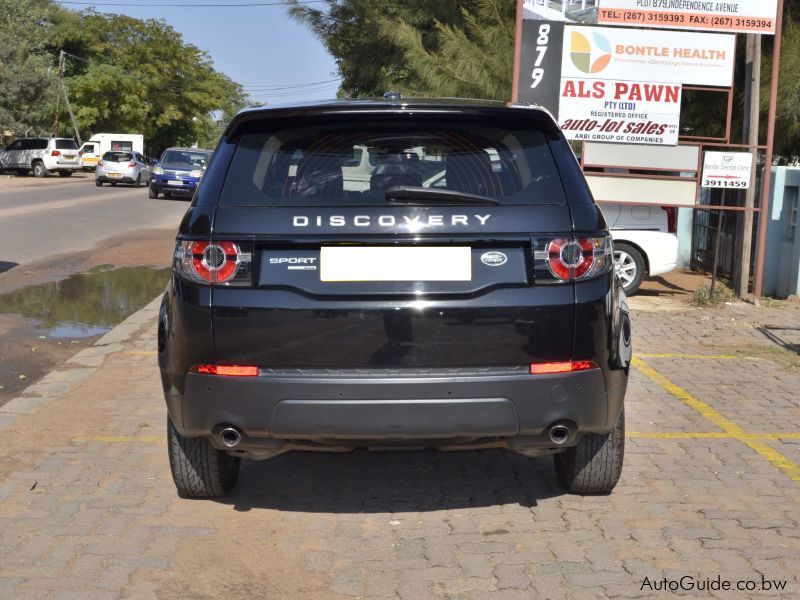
[(752, 100), (766, 183), (66, 96)]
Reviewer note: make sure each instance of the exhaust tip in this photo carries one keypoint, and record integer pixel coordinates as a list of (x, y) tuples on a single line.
[(229, 436), (560, 434)]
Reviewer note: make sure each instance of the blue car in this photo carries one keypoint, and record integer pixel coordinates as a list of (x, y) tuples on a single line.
[(178, 172)]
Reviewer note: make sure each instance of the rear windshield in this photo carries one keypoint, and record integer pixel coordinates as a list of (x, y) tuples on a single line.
[(185, 158), (66, 145), (118, 156), (355, 163)]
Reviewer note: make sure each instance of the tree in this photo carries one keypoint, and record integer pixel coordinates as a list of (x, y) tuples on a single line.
[(358, 34), (126, 74), (27, 76), (470, 61)]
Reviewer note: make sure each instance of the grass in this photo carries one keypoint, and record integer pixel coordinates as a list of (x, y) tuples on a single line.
[(702, 296), (783, 357)]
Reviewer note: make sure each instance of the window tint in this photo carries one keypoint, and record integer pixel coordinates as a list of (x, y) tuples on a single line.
[(89, 148), (118, 156), (185, 158), (66, 145), (316, 165), (15, 145), (34, 144)]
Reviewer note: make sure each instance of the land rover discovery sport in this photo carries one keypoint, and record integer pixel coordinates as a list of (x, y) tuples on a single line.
[(306, 311)]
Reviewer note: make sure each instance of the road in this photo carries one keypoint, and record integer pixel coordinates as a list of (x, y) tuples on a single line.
[(44, 217)]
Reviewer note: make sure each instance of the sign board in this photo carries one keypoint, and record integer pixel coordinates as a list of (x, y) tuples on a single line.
[(642, 190), (540, 63), (647, 55), (738, 16), (571, 11), (727, 170), (629, 112), (679, 159)]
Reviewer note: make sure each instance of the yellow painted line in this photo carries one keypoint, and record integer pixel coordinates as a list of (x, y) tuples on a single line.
[(681, 394), (778, 460), (148, 439), (699, 356), (686, 435)]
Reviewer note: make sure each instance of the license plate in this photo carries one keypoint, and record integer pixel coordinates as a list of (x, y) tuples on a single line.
[(381, 263), (115, 175), (69, 156), (174, 182)]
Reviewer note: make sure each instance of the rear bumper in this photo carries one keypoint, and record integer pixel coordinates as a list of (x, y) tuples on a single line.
[(393, 405)]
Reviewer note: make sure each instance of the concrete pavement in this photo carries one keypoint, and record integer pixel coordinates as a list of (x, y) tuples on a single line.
[(710, 490)]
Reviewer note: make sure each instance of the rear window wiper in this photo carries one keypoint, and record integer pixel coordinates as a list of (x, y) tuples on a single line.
[(410, 194)]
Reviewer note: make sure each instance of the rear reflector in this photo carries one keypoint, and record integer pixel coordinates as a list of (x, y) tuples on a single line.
[(561, 367), (227, 370)]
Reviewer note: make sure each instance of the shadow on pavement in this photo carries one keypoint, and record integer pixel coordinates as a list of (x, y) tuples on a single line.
[(6, 265), (769, 332), (385, 482)]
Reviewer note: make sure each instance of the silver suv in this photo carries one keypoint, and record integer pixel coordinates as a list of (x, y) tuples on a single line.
[(42, 156)]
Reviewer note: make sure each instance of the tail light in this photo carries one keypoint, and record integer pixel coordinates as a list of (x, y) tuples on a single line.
[(132, 164), (562, 367), (55, 153), (572, 258), (99, 163), (227, 370), (218, 262), (672, 218)]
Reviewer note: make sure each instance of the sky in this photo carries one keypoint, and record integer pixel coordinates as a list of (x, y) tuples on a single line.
[(259, 47)]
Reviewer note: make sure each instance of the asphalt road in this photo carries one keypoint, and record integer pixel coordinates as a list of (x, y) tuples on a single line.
[(45, 217)]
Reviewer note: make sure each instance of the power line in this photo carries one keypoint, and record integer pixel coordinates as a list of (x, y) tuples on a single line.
[(188, 4), (289, 86)]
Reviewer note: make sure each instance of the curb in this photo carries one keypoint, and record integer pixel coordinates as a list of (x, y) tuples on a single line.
[(59, 382)]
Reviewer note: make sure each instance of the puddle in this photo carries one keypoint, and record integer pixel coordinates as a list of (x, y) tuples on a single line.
[(87, 304)]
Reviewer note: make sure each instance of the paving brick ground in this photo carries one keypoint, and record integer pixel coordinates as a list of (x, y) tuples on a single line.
[(88, 509)]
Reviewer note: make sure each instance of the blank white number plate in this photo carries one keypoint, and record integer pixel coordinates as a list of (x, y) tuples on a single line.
[(381, 263)]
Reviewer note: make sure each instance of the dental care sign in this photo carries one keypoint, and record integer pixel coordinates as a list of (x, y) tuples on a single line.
[(624, 54), (630, 112), (727, 170), (738, 16)]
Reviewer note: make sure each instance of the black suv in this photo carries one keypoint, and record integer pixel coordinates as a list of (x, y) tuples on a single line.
[(457, 293)]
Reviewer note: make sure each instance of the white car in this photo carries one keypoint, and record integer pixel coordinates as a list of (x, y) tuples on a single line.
[(42, 156), (645, 244)]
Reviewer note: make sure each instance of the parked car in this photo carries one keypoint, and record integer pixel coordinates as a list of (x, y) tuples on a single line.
[(100, 143), (484, 313), (645, 244), (122, 167), (42, 156), (179, 171)]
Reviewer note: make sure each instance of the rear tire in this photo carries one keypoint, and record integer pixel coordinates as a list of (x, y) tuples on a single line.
[(594, 465), (630, 266), (39, 170), (198, 469), (98, 183), (138, 182), (152, 193)]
